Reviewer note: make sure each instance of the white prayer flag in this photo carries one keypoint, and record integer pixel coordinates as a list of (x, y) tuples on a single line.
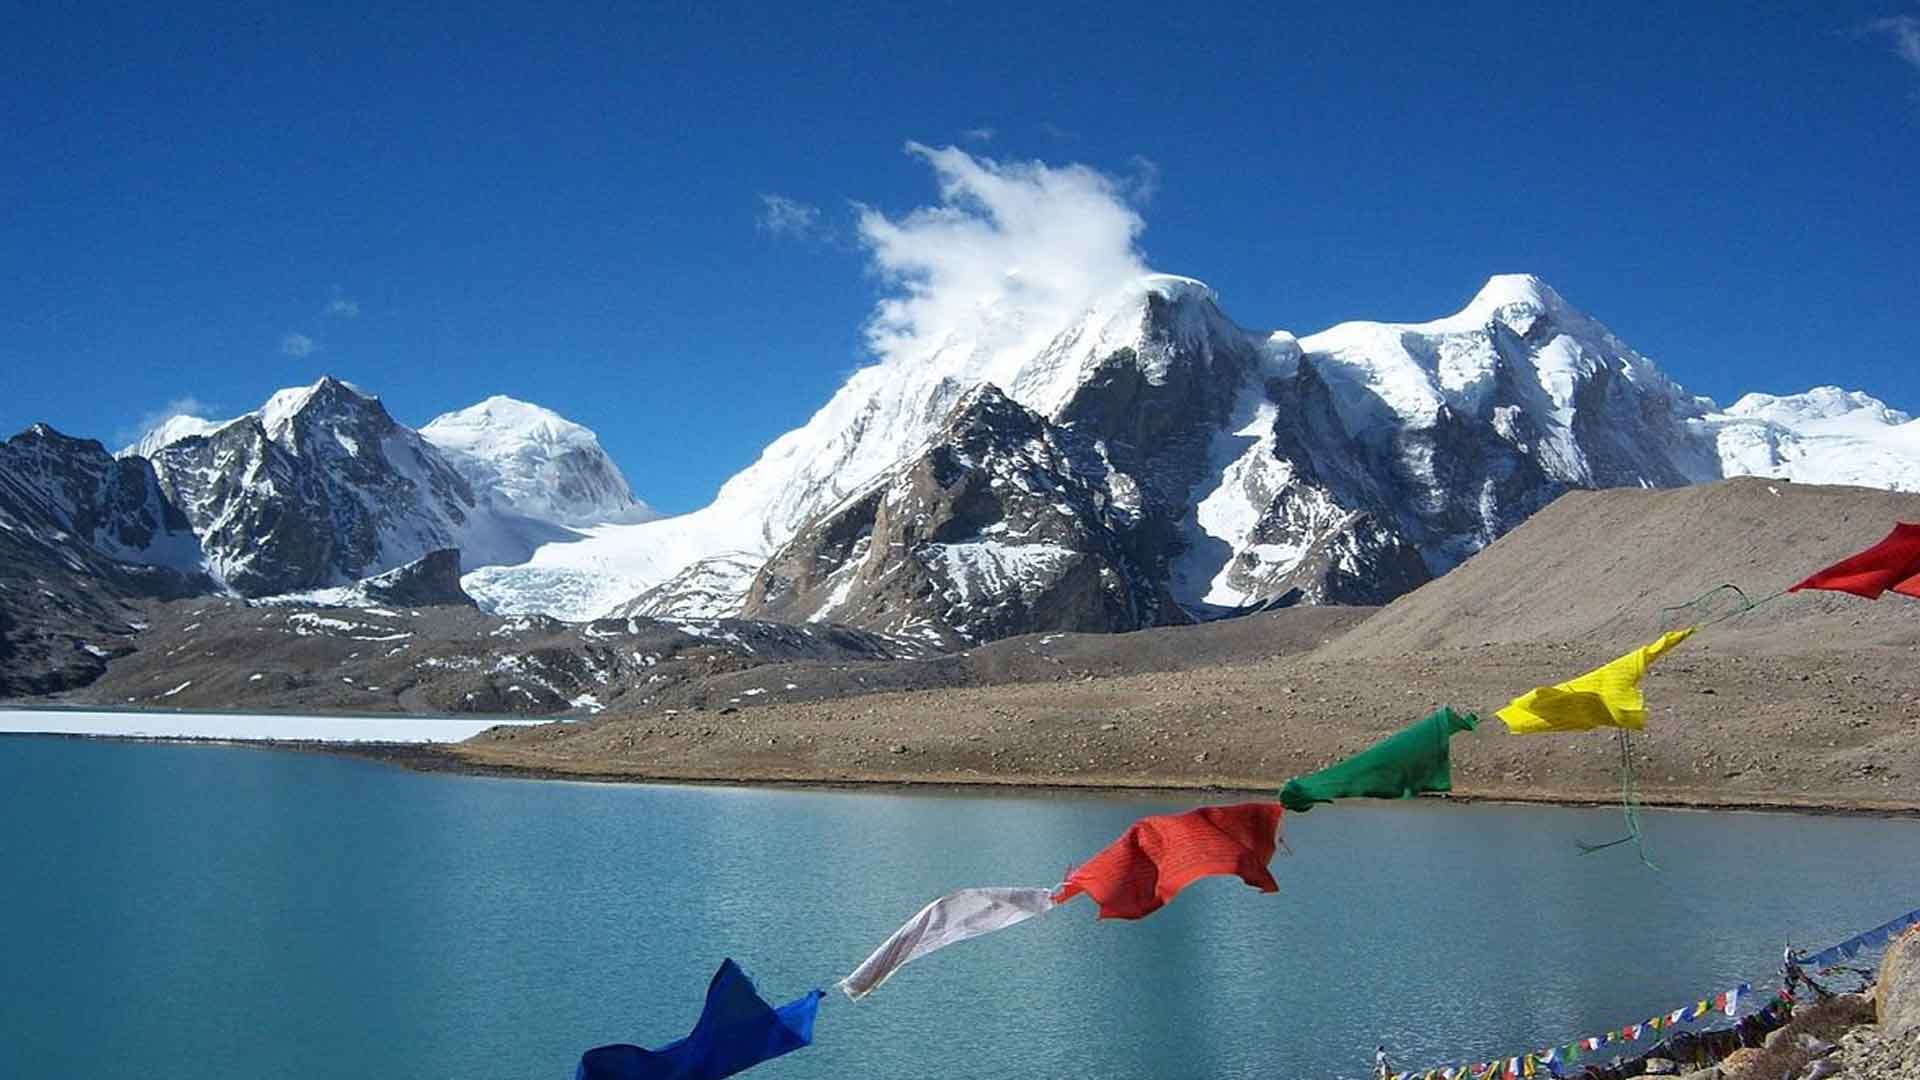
[(954, 917)]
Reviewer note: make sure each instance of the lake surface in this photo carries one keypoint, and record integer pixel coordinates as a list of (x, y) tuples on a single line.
[(200, 911)]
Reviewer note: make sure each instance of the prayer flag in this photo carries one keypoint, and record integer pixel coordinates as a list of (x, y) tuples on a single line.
[(1157, 856), (1417, 758), (1893, 563), (953, 918), (1608, 696), (736, 1031)]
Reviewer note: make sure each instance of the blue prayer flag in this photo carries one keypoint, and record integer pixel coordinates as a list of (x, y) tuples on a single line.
[(736, 1031)]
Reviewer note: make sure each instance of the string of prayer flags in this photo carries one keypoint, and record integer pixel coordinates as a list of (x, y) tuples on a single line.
[(1548, 1060), (1870, 939), (736, 1031), (1158, 856), (1607, 696), (1893, 563), (1413, 760), (953, 918)]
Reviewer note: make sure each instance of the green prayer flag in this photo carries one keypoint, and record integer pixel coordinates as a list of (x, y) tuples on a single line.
[(1404, 764)]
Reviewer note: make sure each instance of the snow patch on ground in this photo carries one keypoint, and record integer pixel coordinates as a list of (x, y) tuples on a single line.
[(246, 728)]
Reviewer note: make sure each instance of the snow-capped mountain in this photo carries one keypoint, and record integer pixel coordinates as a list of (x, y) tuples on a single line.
[(170, 431), (1235, 468), (317, 488), (1824, 436), (534, 462), (320, 486)]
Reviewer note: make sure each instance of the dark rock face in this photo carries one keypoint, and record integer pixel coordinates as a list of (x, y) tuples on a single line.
[(430, 581), (84, 540), (321, 488), (1002, 526), (55, 484)]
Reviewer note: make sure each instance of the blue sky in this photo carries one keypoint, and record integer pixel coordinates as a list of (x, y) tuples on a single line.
[(569, 203)]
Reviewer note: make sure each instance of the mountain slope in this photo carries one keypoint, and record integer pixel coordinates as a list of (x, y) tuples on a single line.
[(1001, 526)]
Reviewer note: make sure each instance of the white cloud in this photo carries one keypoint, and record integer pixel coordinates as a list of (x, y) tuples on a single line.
[(979, 134), (342, 308), (782, 216), (298, 345), (1145, 181), (1014, 250), (1905, 32), (1058, 132)]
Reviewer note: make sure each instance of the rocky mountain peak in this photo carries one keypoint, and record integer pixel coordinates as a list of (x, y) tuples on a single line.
[(1002, 523), (330, 407)]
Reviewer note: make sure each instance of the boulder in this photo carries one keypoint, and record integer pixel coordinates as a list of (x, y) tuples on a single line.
[(1737, 1063), (1896, 997), (1853, 1009), (1817, 1047)]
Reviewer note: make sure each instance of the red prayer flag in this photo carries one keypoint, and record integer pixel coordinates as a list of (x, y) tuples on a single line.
[(1893, 563), (1158, 856)]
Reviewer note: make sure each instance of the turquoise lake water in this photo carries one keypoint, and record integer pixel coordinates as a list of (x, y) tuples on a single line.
[(195, 911)]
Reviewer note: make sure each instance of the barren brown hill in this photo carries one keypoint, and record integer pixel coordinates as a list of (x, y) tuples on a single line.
[(1598, 566)]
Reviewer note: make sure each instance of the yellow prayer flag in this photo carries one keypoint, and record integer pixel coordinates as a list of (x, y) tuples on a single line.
[(1607, 696)]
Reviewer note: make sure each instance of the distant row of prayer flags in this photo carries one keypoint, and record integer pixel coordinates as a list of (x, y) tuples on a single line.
[(1161, 855), (1871, 939), (1547, 1062)]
